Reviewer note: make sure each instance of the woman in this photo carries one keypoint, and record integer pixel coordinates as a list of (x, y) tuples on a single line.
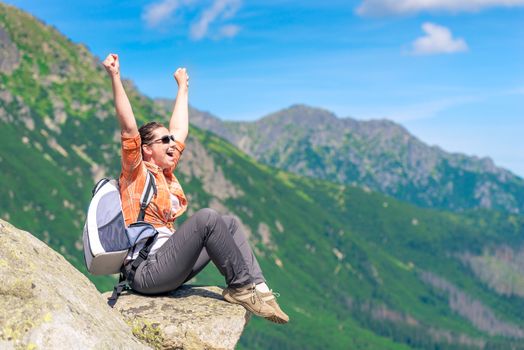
[(206, 236)]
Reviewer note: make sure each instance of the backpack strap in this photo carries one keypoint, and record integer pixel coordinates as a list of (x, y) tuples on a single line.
[(117, 290), (126, 280), (98, 185), (147, 195), (142, 256)]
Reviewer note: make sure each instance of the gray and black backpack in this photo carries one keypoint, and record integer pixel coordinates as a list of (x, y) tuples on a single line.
[(106, 238)]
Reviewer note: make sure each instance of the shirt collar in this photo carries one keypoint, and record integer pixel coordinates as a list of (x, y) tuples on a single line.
[(155, 169)]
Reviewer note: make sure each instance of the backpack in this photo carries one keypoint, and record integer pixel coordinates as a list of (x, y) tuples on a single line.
[(106, 238)]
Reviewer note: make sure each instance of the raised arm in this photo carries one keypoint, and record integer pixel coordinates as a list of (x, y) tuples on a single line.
[(179, 123), (123, 108)]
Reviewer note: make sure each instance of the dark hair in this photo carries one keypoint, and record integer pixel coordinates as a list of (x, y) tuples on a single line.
[(146, 132)]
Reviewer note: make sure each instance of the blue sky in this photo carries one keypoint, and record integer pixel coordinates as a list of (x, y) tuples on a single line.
[(451, 72)]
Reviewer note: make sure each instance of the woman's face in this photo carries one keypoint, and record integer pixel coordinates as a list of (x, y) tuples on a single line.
[(161, 153)]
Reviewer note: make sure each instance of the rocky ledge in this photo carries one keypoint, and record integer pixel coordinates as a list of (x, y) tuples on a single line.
[(45, 303), (189, 318)]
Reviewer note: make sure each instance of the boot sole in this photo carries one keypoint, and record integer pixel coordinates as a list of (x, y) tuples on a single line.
[(276, 319)]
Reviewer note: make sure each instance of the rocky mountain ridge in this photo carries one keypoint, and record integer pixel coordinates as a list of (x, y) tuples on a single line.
[(378, 154)]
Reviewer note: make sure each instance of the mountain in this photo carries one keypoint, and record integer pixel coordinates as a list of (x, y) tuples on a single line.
[(377, 154), (356, 269)]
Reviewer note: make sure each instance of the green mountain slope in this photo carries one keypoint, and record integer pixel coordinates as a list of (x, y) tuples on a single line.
[(378, 154), (358, 267), (355, 269)]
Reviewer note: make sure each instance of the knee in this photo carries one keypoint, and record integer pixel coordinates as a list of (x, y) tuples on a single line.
[(207, 216), (207, 212)]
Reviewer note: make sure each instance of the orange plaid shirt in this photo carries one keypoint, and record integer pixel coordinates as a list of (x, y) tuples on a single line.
[(132, 182)]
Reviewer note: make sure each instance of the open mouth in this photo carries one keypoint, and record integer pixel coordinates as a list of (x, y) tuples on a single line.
[(170, 153)]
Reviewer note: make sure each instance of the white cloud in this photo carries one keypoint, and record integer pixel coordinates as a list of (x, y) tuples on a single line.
[(158, 13), (221, 9), (519, 91), (416, 111), (401, 7), (427, 110), (438, 39), (228, 31)]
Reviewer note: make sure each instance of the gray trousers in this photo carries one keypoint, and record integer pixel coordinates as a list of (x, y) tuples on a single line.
[(206, 236)]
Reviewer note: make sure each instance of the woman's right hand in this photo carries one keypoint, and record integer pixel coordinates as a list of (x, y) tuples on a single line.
[(112, 64), (182, 78)]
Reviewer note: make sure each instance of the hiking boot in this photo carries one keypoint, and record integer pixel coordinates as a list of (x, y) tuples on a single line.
[(250, 299), (279, 316)]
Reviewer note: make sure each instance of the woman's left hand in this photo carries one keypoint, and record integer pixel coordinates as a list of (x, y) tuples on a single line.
[(181, 77)]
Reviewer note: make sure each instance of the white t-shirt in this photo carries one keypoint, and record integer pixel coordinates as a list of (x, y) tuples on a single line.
[(163, 234)]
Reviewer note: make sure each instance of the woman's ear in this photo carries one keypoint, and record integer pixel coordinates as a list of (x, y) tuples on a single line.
[(146, 151)]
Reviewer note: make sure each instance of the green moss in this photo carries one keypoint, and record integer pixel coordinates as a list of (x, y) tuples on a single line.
[(19, 288), (14, 331), (146, 332)]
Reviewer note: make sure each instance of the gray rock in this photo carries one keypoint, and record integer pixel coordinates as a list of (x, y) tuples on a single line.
[(45, 303), (9, 54), (189, 318)]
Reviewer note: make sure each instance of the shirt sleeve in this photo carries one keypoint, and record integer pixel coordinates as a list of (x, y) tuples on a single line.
[(131, 156), (179, 148)]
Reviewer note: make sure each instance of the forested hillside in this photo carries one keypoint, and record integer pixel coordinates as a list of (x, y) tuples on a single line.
[(356, 269)]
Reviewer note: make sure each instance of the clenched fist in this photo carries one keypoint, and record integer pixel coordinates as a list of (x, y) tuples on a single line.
[(181, 77), (112, 64)]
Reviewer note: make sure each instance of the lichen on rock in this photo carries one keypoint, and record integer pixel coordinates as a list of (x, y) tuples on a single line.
[(45, 303), (190, 317), (148, 332)]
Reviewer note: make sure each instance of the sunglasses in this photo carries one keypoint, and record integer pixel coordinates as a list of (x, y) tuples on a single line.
[(164, 139)]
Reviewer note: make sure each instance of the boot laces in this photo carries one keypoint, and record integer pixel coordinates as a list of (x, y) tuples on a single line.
[(255, 295), (276, 294)]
